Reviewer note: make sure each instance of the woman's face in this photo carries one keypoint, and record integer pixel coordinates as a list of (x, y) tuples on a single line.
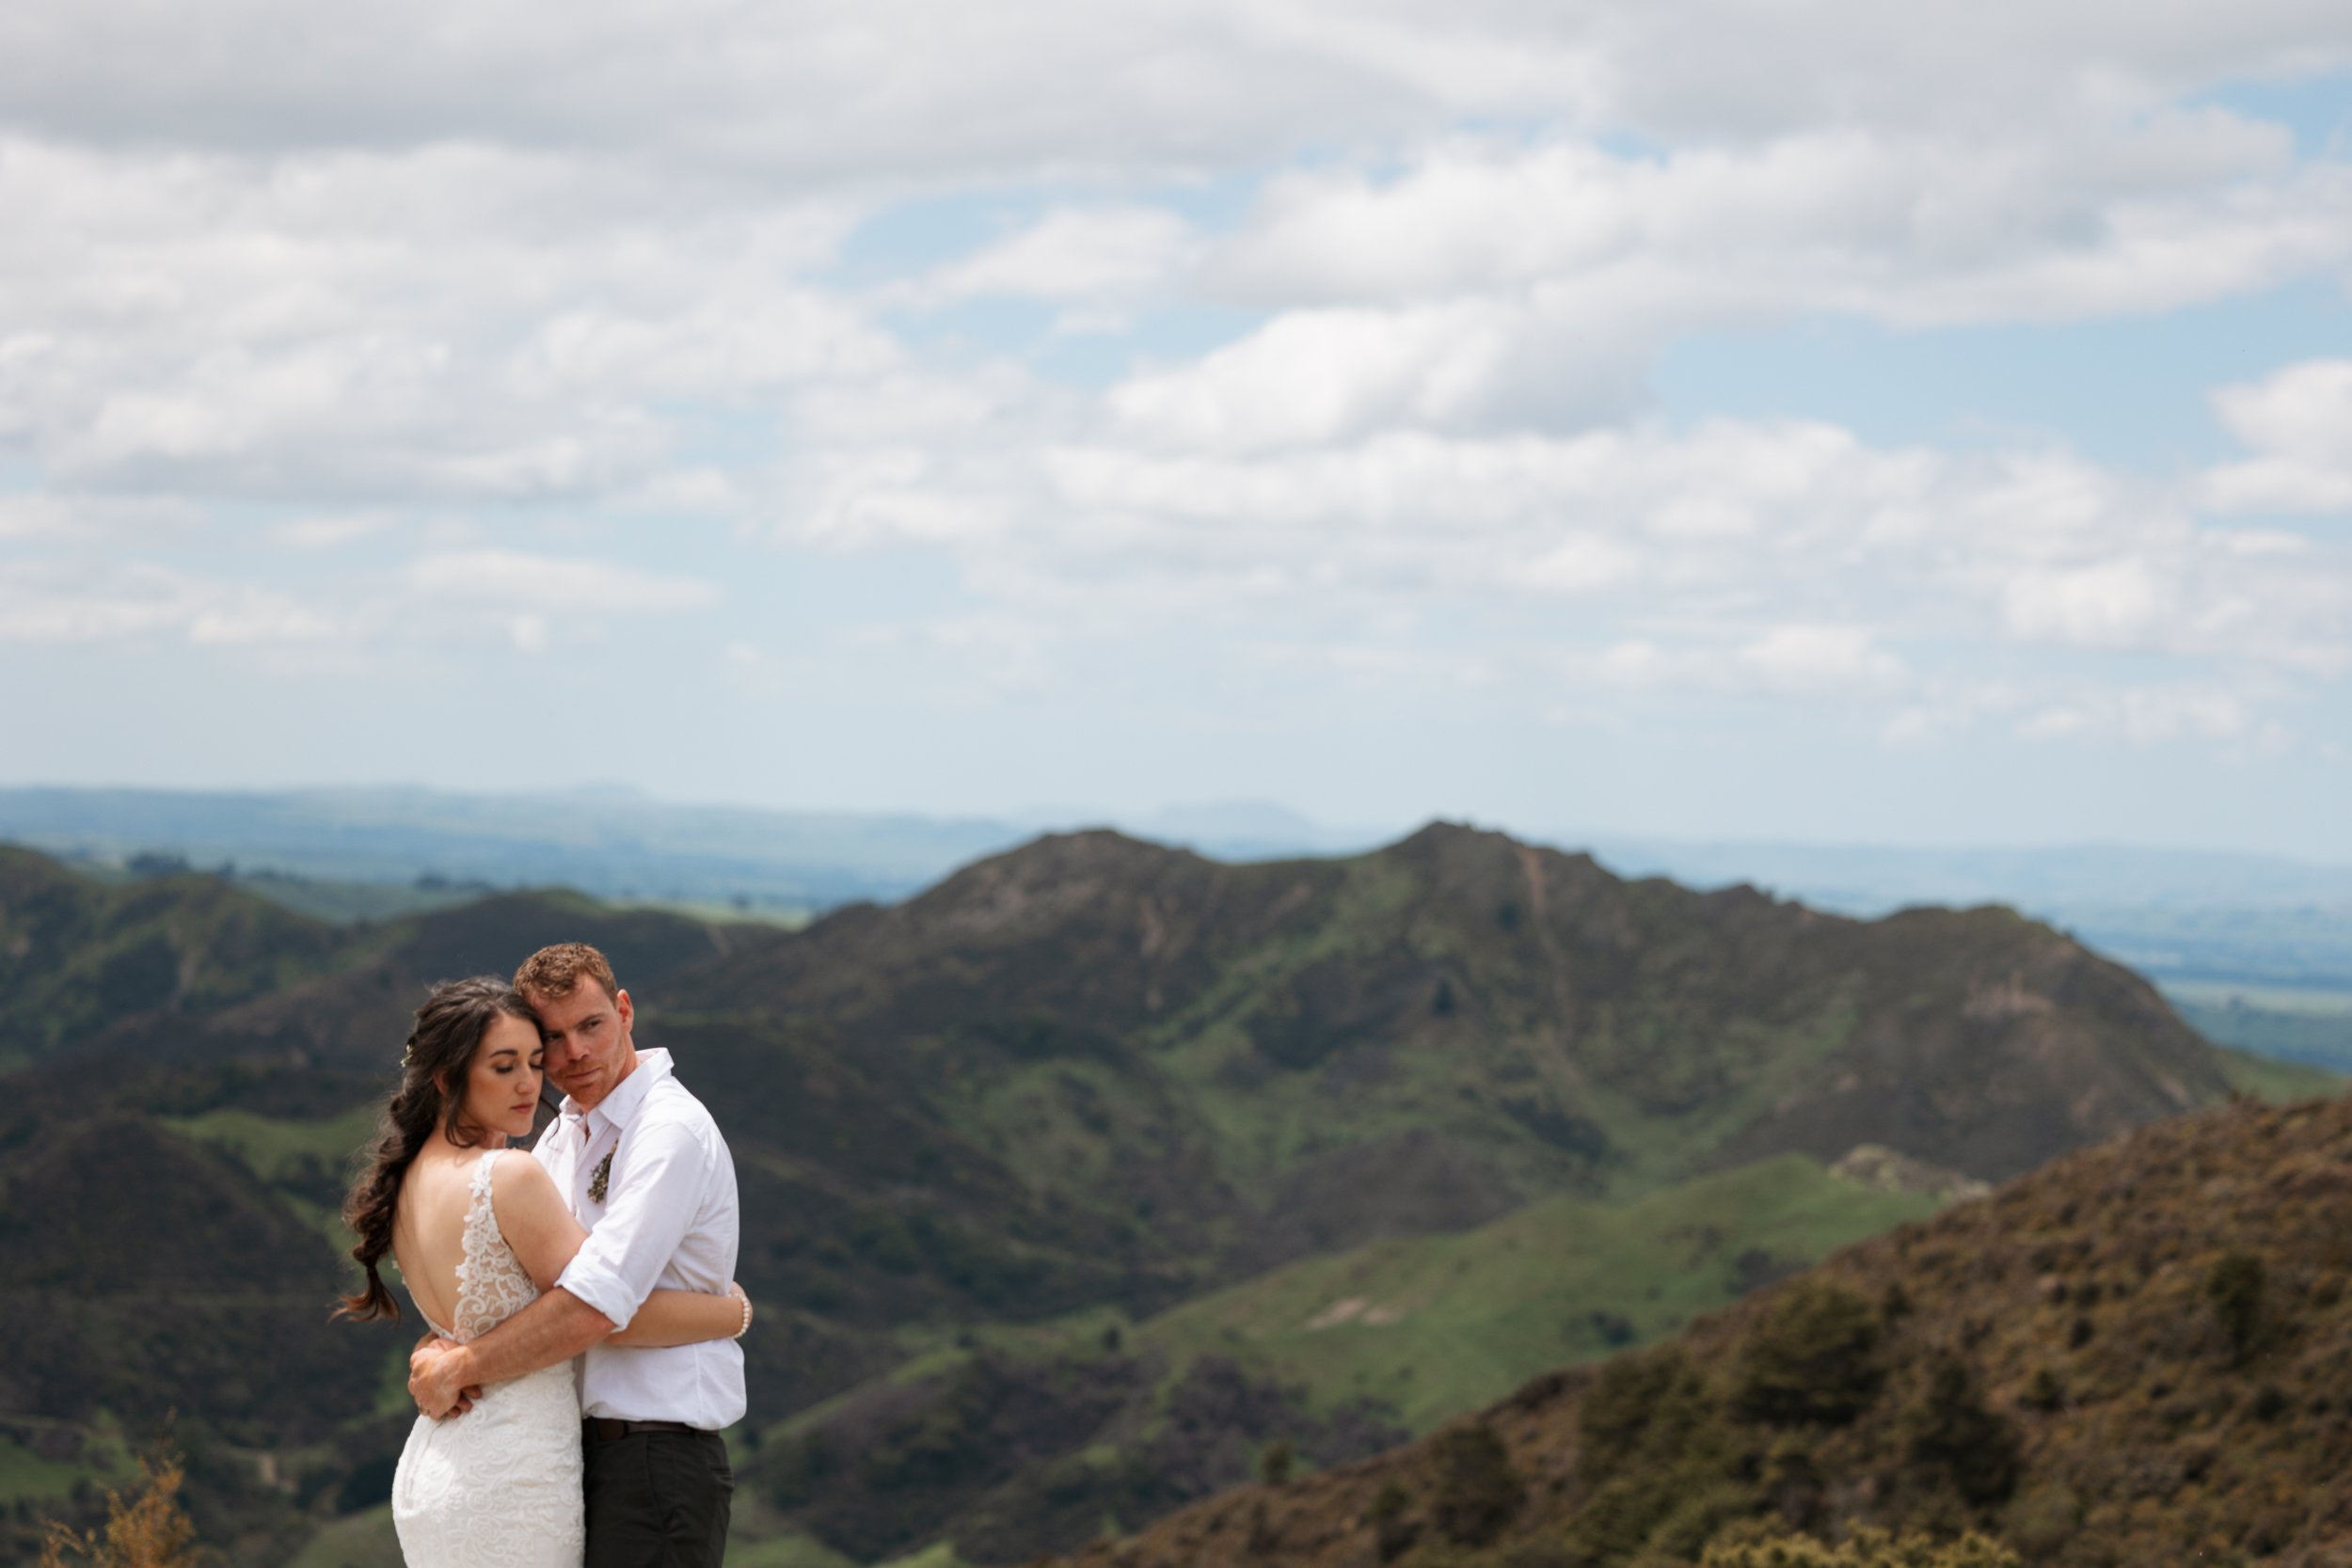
[(502, 1084)]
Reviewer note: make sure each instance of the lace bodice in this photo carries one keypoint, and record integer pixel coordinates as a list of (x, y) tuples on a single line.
[(492, 1283), (498, 1486)]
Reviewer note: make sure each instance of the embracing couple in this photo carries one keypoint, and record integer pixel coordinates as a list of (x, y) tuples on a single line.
[(581, 1296)]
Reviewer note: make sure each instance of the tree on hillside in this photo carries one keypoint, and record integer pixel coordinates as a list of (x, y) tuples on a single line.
[(1950, 1429), (1813, 1361), (2234, 1287), (1478, 1489)]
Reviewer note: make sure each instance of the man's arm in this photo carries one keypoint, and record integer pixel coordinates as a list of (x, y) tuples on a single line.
[(556, 1327), (617, 1267)]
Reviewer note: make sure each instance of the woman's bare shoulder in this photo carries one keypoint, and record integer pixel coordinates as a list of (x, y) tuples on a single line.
[(516, 1176)]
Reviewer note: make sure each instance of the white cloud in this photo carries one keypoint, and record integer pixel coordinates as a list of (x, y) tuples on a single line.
[(443, 322), (1786, 554), (278, 276), (2144, 715), (1924, 227), (1320, 376), (1076, 254), (1811, 658), (2298, 419), (551, 582), (25, 516), (2111, 604), (916, 88), (326, 533), (725, 347), (47, 603), (1581, 563)]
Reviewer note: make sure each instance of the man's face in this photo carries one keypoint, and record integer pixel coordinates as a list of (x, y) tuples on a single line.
[(587, 1039)]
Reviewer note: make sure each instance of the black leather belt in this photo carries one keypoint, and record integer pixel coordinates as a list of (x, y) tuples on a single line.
[(604, 1429)]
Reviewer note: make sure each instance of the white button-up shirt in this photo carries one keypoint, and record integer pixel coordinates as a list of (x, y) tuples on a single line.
[(668, 1221)]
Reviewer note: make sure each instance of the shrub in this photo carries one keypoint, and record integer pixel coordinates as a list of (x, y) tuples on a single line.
[(152, 1531), (1393, 1528), (1276, 1464), (1792, 1481), (1695, 1518), (2234, 1287), (1643, 1405), (1615, 1521), (1865, 1548), (2043, 1391), (1478, 1489), (1614, 1328), (1813, 1361), (1951, 1431)]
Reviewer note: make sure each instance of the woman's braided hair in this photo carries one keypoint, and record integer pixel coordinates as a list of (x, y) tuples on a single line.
[(431, 1091)]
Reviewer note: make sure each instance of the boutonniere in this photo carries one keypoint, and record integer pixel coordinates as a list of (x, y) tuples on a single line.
[(600, 1177)]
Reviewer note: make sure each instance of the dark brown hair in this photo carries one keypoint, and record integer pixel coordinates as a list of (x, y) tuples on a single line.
[(431, 1092), (557, 971)]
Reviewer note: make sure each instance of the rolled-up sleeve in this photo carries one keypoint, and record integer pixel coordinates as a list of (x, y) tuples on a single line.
[(620, 1263)]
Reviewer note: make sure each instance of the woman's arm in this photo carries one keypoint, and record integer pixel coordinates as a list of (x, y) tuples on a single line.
[(532, 1218), (544, 1236), (686, 1318)]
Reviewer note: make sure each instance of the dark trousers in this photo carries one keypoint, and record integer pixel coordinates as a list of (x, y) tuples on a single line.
[(658, 1500)]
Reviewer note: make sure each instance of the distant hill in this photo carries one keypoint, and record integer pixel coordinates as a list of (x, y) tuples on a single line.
[(1518, 1017), (2134, 1356), (1001, 1144), (615, 844), (2175, 915)]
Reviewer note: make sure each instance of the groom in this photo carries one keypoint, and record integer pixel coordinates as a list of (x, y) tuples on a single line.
[(644, 1169)]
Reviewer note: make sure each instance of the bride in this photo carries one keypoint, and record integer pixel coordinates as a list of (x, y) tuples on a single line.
[(478, 1230)]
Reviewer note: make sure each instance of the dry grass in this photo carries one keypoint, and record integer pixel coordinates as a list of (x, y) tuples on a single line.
[(150, 1529)]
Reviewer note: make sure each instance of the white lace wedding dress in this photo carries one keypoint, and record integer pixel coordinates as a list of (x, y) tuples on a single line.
[(499, 1486)]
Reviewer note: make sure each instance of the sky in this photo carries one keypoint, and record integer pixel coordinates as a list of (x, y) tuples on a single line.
[(1827, 421)]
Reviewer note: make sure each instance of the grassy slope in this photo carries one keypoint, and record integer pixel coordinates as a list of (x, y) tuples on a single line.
[(362, 1539), (27, 1476), (789, 1549), (2277, 1081), (297, 1158), (2310, 1033), (276, 1148), (1439, 1325)]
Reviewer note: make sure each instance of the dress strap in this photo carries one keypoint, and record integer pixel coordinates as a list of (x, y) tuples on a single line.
[(475, 1263)]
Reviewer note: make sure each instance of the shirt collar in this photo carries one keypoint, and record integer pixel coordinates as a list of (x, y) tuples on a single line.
[(620, 1107)]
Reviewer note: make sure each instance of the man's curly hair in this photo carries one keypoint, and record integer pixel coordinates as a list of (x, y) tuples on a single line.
[(554, 972)]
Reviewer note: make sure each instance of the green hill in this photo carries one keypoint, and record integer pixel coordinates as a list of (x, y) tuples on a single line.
[(78, 955), (1434, 1325)]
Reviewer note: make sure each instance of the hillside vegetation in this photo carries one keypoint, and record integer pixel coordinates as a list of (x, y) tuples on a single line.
[(2137, 1355), (1047, 1172)]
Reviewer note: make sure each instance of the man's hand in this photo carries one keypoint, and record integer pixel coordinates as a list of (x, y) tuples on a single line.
[(436, 1379)]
